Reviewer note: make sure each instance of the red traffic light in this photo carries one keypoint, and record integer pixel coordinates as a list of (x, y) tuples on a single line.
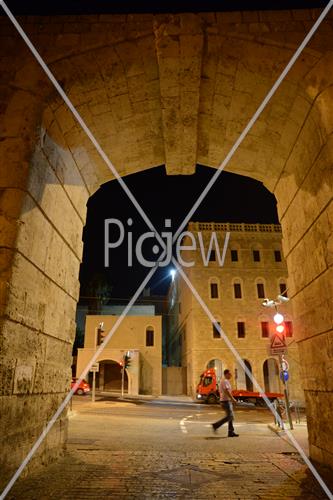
[(280, 328)]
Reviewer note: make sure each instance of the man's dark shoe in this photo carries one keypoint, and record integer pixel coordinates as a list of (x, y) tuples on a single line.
[(232, 435), (214, 428)]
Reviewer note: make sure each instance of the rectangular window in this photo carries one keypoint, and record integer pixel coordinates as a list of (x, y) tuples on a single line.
[(212, 256), (283, 289), (149, 338), (265, 329), (214, 292), (256, 255), (237, 291), (216, 333), (234, 255), (241, 329), (289, 328), (277, 255), (260, 290)]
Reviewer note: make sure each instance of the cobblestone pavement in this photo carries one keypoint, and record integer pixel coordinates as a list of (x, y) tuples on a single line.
[(86, 472), (128, 452)]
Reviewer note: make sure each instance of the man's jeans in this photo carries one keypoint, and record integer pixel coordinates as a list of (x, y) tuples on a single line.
[(227, 406)]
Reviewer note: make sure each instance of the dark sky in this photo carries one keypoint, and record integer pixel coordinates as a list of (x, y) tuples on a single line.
[(233, 198)]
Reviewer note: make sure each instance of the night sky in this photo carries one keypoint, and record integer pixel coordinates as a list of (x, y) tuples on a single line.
[(233, 198)]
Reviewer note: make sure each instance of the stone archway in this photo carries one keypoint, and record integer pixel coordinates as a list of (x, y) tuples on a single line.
[(217, 364), (243, 380), (271, 375), (110, 376), (174, 90)]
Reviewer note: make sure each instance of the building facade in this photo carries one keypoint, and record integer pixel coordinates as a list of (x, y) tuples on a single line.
[(253, 269), (141, 337)]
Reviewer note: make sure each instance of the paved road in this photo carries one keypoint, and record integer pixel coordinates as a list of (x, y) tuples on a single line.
[(149, 450)]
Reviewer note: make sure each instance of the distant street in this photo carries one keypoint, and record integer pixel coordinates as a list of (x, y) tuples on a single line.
[(165, 449)]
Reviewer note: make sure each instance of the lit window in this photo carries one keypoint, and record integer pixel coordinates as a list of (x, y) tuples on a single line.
[(283, 289), (234, 255), (149, 336), (289, 328), (260, 290), (216, 333), (256, 255), (277, 255), (237, 290), (241, 329), (214, 291), (265, 329)]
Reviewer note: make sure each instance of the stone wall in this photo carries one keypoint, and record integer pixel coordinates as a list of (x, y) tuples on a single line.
[(137, 80)]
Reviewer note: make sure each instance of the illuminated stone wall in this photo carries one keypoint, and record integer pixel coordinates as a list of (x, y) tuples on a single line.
[(154, 89)]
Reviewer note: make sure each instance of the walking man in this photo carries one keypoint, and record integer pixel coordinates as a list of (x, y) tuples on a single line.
[(226, 399)]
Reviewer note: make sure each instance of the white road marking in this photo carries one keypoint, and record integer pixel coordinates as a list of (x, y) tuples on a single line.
[(183, 426)]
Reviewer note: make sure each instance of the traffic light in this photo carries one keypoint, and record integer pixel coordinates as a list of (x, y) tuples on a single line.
[(279, 324), (100, 334), (126, 360)]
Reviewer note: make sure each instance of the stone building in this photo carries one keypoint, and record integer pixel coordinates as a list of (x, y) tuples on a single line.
[(142, 337), (253, 268)]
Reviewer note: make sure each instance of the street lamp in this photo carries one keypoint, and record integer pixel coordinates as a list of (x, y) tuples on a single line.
[(278, 319), (173, 274)]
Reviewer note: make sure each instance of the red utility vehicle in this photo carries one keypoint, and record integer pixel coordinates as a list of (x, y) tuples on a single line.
[(208, 391)]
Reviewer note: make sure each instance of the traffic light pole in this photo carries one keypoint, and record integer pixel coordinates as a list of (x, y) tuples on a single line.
[(285, 392), (93, 387)]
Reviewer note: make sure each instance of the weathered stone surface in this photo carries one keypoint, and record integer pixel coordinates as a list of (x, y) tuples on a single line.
[(162, 89)]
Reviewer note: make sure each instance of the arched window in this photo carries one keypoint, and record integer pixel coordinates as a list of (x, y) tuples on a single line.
[(237, 286), (283, 287), (260, 288), (241, 329), (214, 292), (149, 336)]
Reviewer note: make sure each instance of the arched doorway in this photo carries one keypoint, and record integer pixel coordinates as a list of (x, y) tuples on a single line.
[(271, 375), (243, 380), (110, 376), (218, 367)]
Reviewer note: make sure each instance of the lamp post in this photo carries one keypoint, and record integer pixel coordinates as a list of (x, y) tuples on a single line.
[(278, 346)]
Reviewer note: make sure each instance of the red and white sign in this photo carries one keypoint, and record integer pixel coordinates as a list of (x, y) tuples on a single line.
[(278, 344)]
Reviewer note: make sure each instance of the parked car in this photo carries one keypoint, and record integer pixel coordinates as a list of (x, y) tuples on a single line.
[(83, 387)]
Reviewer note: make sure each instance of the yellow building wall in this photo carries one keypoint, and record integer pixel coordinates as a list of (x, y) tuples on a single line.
[(200, 347), (145, 370)]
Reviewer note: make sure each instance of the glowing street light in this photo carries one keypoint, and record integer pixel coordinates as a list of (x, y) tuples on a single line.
[(173, 274)]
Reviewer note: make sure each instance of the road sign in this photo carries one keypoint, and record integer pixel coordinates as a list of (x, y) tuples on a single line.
[(278, 345), (95, 367)]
